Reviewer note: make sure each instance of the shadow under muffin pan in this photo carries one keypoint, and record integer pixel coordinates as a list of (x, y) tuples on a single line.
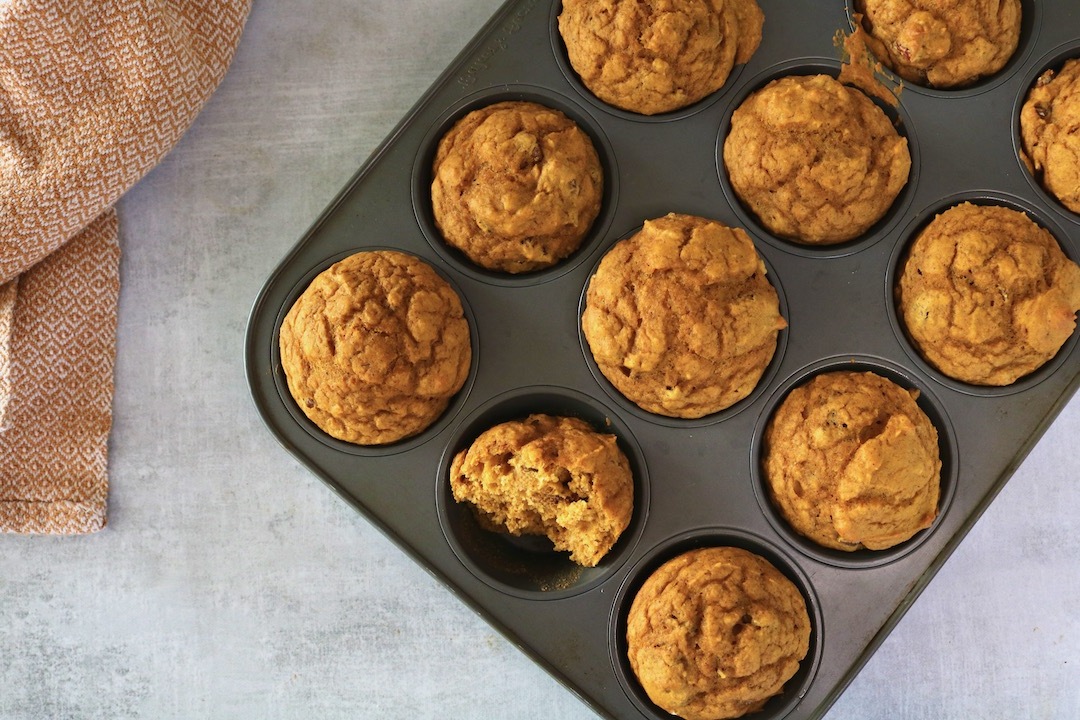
[(697, 482)]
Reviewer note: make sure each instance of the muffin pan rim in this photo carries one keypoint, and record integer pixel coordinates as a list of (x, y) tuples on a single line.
[(446, 506)]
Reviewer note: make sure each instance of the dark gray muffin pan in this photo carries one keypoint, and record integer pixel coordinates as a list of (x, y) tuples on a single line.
[(697, 481)]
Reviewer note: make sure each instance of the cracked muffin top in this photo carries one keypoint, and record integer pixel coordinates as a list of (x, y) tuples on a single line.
[(375, 347), (987, 295), (680, 317), (815, 160), (656, 56), (715, 632), (516, 186), (851, 461)]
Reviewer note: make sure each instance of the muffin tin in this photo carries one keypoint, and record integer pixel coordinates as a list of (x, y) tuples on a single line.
[(697, 481)]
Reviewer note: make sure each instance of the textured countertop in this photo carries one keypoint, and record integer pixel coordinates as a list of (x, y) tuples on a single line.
[(231, 583)]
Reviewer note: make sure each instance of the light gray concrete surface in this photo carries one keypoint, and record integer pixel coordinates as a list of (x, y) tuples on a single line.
[(231, 583)]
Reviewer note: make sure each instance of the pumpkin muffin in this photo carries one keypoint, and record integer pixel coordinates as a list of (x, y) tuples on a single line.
[(516, 186), (942, 43), (715, 632), (1050, 132), (987, 295), (656, 56), (375, 347), (816, 161), (852, 462), (680, 317)]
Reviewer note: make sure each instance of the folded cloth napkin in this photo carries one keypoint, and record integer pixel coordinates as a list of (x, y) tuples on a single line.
[(93, 93)]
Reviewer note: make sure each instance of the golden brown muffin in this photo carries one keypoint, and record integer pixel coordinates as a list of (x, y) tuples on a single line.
[(817, 162), (715, 632), (986, 295), (942, 43), (1050, 130), (852, 462), (375, 347), (516, 187), (548, 475), (680, 317), (655, 56)]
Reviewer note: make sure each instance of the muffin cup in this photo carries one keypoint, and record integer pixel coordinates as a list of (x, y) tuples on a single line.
[(899, 255), (422, 177), (794, 689), (528, 566), (926, 401), (405, 444), (880, 229)]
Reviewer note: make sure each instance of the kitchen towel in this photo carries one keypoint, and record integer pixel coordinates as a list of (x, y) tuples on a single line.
[(93, 94)]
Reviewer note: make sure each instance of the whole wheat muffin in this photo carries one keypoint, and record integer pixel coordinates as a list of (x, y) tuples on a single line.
[(715, 632), (552, 476), (1050, 131), (816, 161), (987, 295), (942, 43), (375, 347), (655, 56), (516, 186), (851, 462), (680, 317)]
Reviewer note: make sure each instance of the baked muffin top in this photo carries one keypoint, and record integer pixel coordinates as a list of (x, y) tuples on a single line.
[(715, 632), (987, 295), (816, 161), (680, 317), (852, 462), (942, 43), (516, 186), (1050, 132), (655, 56), (375, 347)]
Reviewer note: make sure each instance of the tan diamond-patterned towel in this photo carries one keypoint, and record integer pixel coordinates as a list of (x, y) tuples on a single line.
[(93, 93)]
